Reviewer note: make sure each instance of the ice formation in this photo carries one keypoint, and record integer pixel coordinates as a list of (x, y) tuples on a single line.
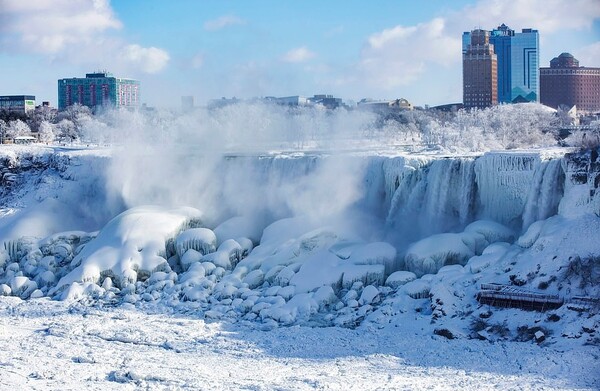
[(396, 235)]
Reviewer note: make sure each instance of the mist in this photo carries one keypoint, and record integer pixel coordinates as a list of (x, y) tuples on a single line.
[(258, 161)]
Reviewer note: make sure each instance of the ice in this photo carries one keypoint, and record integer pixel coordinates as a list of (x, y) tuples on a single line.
[(240, 226), (430, 254), (22, 286), (400, 278), (491, 231), (285, 260), (132, 242), (531, 235), (417, 289), (190, 257), (369, 295), (202, 240)]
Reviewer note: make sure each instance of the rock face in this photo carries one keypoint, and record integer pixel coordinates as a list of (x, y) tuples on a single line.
[(582, 184)]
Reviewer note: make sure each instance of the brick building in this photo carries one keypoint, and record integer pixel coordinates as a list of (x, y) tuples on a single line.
[(568, 84)]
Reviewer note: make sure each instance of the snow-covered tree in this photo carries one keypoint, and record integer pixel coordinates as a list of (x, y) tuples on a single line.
[(41, 114), (46, 132), (3, 128), (17, 128), (75, 113), (67, 131)]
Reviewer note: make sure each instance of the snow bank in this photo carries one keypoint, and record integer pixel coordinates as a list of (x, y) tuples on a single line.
[(133, 242), (429, 255)]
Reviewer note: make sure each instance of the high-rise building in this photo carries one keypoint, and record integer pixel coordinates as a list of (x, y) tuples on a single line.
[(100, 89), (566, 83), (21, 104), (518, 62), (480, 78)]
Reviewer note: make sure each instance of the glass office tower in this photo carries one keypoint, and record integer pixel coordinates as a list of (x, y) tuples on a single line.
[(100, 89), (517, 61), (525, 73), (501, 38)]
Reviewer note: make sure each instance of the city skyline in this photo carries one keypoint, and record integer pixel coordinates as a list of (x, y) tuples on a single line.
[(207, 50)]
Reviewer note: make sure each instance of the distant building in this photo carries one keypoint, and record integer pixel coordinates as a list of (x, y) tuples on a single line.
[(21, 104), (327, 101), (517, 56), (565, 83), (218, 103), (480, 71), (187, 103), (385, 105), (449, 107), (100, 89), (290, 100)]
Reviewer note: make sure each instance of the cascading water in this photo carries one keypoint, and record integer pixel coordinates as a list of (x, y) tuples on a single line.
[(546, 192)]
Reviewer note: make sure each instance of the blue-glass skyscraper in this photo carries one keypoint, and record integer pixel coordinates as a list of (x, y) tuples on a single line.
[(518, 63)]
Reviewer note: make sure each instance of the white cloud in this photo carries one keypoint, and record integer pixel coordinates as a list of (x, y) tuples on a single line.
[(149, 60), (588, 56), (222, 22), (399, 56), (76, 32), (49, 26), (547, 16), (300, 54)]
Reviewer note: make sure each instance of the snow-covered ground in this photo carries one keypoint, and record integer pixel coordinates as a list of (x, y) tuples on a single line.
[(292, 271), (52, 345)]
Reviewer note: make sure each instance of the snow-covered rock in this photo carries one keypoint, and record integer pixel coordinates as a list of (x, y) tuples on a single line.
[(400, 278), (132, 242)]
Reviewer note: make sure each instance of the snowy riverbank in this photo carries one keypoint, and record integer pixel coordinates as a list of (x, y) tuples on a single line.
[(53, 345)]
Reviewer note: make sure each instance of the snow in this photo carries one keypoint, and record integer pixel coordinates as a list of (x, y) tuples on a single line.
[(132, 242), (399, 278), (351, 289)]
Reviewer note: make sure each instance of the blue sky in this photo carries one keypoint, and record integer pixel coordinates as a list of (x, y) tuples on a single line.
[(209, 49)]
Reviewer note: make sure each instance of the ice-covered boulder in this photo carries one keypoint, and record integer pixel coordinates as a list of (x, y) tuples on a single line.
[(22, 286), (400, 278), (417, 289), (368, 295), (430, 254), (240, 226), (202, 240), (191, 256), (233, 249), (131, 243), (254, 279), (537, 229), (374, 253), (365, 274), (5, 290), (491, 231)]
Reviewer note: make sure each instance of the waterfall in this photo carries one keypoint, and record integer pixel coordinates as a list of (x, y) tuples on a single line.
[(546, 192)]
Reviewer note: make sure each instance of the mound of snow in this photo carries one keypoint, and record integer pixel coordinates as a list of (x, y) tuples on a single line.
[(202, 240), (430, 254), (491, 231), (400, 278), (240, 226), (130, 243)]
